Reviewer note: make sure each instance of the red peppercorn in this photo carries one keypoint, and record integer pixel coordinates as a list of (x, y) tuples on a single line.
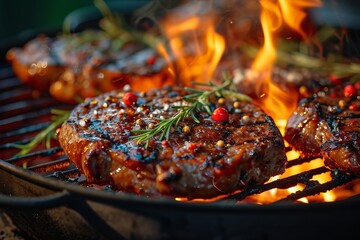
[(129, 98), (349, 90), (192, 146), (334, 79), (165, 143), (150, 60), (220, 115), (353, 107)]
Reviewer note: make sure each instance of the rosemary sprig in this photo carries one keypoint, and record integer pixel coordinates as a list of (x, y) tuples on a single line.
[(115, 26), (112, 23), (45, 134), (197, 100)]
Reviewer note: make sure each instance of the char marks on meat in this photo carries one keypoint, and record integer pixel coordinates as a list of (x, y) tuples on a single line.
[(328, 127), (97, 138)]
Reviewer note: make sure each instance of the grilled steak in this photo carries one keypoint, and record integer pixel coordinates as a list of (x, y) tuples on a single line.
[(86, 64), (200, 160), (328, 126)]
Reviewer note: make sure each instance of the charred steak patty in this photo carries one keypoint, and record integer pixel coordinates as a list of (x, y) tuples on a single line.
[(199, 160), (86, 63), (328, 126)]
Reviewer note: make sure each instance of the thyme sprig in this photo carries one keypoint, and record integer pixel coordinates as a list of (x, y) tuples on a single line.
[(196, 101), (46, 134)]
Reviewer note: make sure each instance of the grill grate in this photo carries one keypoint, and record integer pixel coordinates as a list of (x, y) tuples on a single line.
[(25, 112)]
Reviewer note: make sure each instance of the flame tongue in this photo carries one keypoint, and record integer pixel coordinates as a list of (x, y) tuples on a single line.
[(196, 49), (195, 46), (275, 101), (294, 14)]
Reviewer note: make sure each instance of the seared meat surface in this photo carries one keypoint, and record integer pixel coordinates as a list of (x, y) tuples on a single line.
[(328, 126), (199, 160), (85, 64)]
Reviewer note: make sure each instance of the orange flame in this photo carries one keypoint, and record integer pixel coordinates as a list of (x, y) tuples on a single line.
[(195, 50), (278, 194), (279, 103), (195, 46), (274, 100)]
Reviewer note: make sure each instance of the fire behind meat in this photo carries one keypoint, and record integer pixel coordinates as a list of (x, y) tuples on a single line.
[(238, 145), (98, 136)]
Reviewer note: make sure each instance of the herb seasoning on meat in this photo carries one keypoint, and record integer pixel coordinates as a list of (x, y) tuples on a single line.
[(193, 157)]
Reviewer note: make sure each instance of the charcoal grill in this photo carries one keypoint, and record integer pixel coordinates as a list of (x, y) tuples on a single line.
[(47, 197)]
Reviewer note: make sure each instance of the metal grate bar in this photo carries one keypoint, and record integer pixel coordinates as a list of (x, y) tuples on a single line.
[(10, 85), (13, 95), (7, 74), (21, 107), (303, 177), (41, 153), (11, 145), (25, 116), (299, 161), (60, 160), (22, 116), (317, 188), (25, 130), (72, 169), (71, 174)]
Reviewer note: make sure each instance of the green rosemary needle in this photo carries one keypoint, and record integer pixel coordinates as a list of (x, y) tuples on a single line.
[(197, 100), (45, 134)]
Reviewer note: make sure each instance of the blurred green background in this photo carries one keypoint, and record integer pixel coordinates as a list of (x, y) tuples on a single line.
[(22, 19), (21, 15)]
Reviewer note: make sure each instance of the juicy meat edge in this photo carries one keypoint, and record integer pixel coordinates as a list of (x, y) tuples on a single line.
[(320, 128), (250, 161)]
